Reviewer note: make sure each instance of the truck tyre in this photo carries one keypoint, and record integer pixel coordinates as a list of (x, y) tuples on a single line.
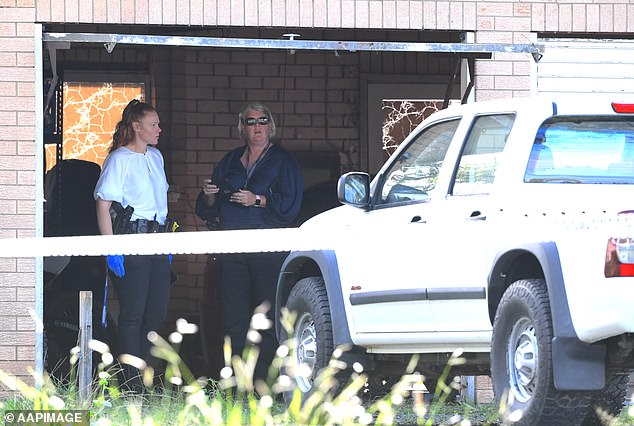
[(521, 362), (608, 403), (311, 343)]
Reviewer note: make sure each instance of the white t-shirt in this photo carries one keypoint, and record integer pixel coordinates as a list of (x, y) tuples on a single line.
[(137, 180)]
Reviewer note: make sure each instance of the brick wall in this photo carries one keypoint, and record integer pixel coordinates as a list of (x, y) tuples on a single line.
[(203, 117), (17, 185), (314, 98)]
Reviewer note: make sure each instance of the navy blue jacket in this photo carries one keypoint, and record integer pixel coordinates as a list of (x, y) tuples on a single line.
[(277, 176)]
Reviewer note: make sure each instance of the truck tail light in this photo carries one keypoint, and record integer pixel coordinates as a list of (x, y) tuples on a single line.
[(619, 255), (619, 258), (622, 108)]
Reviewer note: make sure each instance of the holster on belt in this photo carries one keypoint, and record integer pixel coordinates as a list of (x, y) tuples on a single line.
[(144, 226), (120, 217)]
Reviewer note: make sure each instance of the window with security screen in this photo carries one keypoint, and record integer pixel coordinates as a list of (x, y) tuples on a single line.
[(91, 110)]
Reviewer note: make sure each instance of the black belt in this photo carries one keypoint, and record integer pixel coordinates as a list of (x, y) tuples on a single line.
[(144, 226)]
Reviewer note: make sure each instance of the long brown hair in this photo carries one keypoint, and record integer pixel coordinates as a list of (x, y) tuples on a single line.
[(133, 112)]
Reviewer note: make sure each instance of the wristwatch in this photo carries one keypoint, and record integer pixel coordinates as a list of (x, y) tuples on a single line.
[(258, 200)]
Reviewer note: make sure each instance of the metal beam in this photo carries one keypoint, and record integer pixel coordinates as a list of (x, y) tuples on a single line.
[(465, 49)]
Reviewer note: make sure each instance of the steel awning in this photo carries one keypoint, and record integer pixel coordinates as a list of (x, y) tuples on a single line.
[(109, 41)]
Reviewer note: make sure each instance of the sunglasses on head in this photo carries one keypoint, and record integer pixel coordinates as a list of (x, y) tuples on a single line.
[(251, 121)]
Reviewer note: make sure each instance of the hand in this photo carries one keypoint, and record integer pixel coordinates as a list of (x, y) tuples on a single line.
[(209, 188), (115, 263), (243, 197)]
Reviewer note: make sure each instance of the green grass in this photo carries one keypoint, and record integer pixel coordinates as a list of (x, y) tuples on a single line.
[(182, 399)]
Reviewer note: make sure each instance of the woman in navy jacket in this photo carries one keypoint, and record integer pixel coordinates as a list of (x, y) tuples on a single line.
[(255, 186)]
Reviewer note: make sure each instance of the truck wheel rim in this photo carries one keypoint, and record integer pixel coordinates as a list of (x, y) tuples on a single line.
[(306, 351), (522, 360)]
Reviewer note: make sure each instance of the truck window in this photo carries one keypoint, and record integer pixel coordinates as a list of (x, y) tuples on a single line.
[(583, 150), (415, 172), (481, 153)]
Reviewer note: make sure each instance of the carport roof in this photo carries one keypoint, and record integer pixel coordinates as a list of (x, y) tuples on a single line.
[(482, 50)]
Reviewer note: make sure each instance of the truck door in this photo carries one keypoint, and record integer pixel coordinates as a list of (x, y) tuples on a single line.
[(391, 239), (461, 220)]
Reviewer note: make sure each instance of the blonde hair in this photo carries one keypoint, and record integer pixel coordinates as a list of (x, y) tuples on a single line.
[(255, 106)]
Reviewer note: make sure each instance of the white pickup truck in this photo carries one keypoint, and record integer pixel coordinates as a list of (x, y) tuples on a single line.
[(501, 228)]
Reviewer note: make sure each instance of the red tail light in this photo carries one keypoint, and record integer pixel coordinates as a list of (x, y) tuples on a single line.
[(622, 108), (619, 258)]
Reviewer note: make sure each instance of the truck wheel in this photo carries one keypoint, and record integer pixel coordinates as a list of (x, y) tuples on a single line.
[(608, 402), (311, 343), (521, 364)]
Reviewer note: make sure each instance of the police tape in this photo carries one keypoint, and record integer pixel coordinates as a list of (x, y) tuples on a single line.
[(196, 242)]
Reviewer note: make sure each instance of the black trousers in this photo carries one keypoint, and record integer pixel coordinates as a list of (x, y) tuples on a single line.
[(248, 280), (143, 294)]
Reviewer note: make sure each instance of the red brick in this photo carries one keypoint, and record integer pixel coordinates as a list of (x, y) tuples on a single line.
[(495, 9), (43, 8), (85, 11), (16, 74), (17, 132), (17, 14), (512, 24), (620, 18), (22, 44), (565, 17), (26, 264), (8, 179), (7, 265), (19, 222), (114, 11), (25, 60), (8, 353), (537, 17), (8, 118), (8, 29), (26, 178), (26, 29), (442, 15), (25, 294), (552, 17), (15, 192), (361, 14), (7, 206), (169, 12), (25, 89), (100, 11), (26, 353), (456, 16), (606, 17)]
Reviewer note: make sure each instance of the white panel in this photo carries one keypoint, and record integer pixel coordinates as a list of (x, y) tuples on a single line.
[(589, 70), (586, 66)]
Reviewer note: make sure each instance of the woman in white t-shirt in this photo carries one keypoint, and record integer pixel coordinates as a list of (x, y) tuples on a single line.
[(133, 175)]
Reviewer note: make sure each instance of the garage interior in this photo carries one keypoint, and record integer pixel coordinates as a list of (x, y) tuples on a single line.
[(328, 104)]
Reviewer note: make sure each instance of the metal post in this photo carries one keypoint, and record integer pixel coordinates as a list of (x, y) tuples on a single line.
[(85, 353), (467, 391)]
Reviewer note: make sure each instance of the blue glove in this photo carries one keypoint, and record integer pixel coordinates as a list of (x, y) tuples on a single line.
[(115, 263), (169, 256)]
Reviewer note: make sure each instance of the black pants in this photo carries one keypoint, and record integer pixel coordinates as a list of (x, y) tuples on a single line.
[(248, 280), (143, 294)]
